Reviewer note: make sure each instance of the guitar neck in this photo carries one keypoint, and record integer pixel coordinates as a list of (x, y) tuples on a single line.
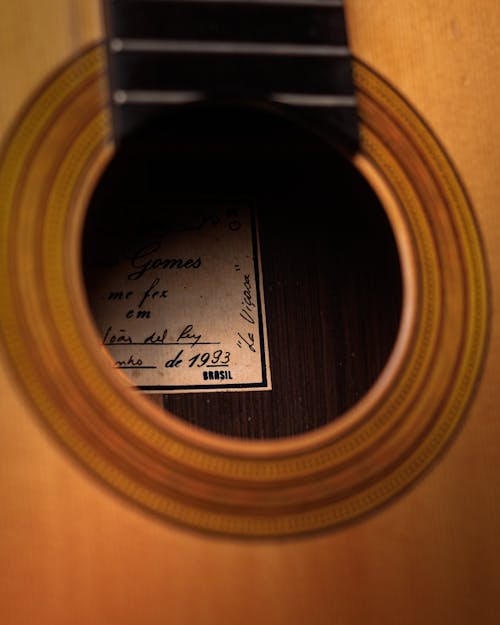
[(293, 55)]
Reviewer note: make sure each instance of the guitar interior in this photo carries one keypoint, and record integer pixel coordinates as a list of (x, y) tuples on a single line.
[(331, 279)]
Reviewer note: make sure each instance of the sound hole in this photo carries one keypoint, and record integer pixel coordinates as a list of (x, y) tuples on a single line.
[(331, 280)]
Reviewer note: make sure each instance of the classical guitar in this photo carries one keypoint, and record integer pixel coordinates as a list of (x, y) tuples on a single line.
[(248, 332)]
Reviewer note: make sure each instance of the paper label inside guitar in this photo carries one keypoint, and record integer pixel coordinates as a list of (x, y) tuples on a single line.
[(181, 307)]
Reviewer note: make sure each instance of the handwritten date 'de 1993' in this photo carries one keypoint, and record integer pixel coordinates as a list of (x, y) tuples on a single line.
[(183, 309)]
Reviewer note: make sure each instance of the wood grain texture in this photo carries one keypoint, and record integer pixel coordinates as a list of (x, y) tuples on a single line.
[(72, 552)]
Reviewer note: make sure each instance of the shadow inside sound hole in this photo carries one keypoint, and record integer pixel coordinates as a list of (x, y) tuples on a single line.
[(331, 274)]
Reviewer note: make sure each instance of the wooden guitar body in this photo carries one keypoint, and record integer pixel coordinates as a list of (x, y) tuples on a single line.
[(113, 511)]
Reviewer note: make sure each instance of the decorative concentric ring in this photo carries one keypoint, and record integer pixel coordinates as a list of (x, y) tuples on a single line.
[(316, 481)]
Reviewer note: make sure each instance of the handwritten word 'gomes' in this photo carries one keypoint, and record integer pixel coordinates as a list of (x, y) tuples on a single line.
[(142, 262)]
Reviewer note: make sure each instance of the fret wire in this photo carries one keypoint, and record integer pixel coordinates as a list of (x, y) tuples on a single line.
[(118, 45), (333, 4), (314, 99), (137, 96)]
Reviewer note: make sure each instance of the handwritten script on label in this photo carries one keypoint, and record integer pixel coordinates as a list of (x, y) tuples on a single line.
[(183, 309)]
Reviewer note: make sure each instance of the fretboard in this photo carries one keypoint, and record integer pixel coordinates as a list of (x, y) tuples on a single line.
[(292, 54)]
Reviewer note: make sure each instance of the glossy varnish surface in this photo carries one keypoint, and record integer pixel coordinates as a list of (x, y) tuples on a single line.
[(73, 552)]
